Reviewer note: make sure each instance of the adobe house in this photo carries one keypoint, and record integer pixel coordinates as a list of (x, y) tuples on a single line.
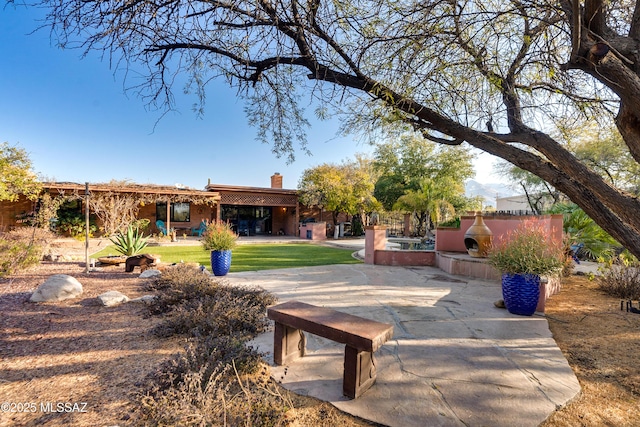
[(180, 208), (13, 214), (273, 210), (258, 210), (251, 210)]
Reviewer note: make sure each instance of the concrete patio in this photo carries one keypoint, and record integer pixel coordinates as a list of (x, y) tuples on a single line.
[(455, 359)]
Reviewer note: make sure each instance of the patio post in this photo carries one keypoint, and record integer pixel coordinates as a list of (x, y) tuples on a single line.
[(168, 217), (86, 221)]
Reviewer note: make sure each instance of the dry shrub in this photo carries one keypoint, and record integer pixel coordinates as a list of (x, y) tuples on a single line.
[(214, 352), (222, 397), (204, 385), (178, 284), (260, 402), (568, 265), (201, 306), (182, 277), (621, 280), (194, 401), (229, 311), (22, 248)]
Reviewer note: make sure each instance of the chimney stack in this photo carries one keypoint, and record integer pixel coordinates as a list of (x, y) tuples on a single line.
[(276, 180)]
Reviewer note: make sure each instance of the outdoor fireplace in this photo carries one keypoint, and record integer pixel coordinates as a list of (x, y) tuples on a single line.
[(478, 238)]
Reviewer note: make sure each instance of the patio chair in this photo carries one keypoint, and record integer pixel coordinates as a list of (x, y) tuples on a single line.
[(576, 251), (199, 229), (160, 226), (243, 227)]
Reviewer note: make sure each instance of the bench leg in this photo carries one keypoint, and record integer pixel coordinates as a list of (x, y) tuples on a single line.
[(288, 344), (359, 372)]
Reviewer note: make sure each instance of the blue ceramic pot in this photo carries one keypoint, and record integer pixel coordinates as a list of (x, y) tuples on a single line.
[(220, 262), (521, 293)]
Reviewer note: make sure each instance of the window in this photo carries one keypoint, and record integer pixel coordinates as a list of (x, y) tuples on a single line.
[(180, 212)]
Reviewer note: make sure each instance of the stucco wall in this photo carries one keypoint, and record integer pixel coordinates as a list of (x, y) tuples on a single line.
[(395, 257), (452, 239), (10, 210), (314, 231), (464, 265)]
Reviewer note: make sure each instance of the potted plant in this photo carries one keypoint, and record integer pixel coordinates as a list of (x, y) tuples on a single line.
[(220, 239), (522, 257)]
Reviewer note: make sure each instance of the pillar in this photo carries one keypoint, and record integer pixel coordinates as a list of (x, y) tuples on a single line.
[(375, 238), (406, 232)]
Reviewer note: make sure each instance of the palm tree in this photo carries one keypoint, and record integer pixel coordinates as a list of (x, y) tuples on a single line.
[(428, 203), (581, 229)]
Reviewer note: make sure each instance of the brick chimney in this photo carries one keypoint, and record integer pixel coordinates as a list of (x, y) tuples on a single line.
[(276, 180)]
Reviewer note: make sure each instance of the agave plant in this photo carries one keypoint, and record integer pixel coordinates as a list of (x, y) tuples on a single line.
[(130, 242)]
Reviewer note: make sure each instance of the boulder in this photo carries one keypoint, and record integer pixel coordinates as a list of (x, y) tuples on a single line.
[(111, 298), (144, 299), (152, 272), (57, 288)]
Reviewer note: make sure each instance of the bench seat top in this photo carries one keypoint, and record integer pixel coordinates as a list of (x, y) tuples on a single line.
[(354, 331)]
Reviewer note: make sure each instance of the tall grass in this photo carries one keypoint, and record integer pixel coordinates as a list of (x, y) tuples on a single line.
[(254, 257)]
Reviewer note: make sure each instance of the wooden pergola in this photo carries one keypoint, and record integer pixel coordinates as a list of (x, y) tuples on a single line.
[(146, 193)]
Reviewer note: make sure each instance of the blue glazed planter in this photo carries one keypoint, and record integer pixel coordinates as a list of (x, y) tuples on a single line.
[(521, 293), (220, 262)]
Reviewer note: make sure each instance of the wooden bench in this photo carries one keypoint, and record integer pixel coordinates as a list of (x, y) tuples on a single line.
[(361, 337)]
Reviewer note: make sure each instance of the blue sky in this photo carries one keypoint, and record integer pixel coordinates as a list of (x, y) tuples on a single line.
[(77, 123)]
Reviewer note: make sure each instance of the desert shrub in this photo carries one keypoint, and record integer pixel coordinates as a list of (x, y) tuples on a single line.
[(216, 353), (568, 263), (179, 284), (260, 402), (228, 311), (22, 248), (182, 277), (141, 224), (194, 401), (200, 305), (217, 380), (621, 278), (214, 400)]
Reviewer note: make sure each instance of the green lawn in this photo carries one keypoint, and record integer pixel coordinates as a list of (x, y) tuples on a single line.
[(254, 256)]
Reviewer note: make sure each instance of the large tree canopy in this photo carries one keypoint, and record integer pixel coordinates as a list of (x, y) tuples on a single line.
[(492, 73), (16, 174), (405, 163), (347, 187)]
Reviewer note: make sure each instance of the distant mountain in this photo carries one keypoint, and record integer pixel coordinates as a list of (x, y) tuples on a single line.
[(488, 191)]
